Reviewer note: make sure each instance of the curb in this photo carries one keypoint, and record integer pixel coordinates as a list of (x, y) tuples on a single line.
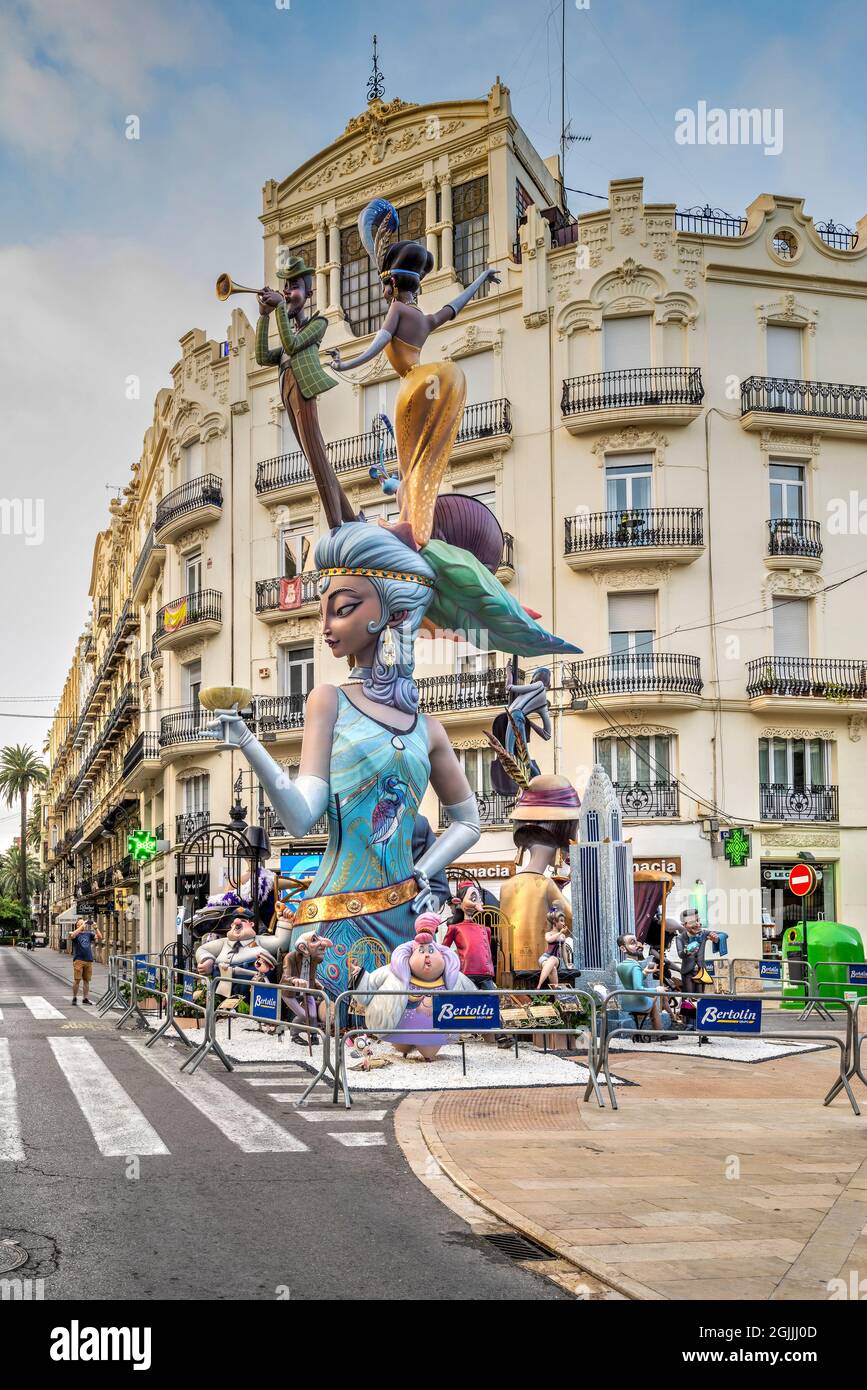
[(620, 1283)]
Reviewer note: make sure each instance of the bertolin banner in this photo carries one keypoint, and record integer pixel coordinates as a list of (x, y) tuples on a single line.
[(719, 1015), (857, 973), (265, 1002), (770, 970), (475, 1011)]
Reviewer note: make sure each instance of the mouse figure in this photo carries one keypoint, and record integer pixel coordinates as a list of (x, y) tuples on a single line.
[(420, 967)]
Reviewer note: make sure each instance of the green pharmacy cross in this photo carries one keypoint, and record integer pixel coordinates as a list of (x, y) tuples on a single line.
[(738, 847), (141, 844)]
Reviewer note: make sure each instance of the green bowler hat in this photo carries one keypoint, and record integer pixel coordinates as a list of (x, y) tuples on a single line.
[(291, 267)]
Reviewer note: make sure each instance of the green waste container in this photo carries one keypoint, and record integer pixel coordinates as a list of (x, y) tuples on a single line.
[(829, 947)]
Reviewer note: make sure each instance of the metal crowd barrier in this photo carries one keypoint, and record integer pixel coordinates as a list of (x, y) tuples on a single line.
[(527, 1026), (841, 1082), (119, 974), (291, 1024)]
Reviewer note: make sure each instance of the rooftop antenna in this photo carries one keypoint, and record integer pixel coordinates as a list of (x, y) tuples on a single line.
[(567, 137), (376, 80), (112, 487)]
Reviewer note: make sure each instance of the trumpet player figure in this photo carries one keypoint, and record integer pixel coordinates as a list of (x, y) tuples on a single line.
[(302, 377)]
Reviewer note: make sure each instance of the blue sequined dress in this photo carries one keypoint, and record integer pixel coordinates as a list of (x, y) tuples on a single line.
[(378, 777)]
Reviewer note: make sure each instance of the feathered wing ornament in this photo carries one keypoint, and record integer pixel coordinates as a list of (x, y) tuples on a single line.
[(517, 767), (377, 225), (468, 597)]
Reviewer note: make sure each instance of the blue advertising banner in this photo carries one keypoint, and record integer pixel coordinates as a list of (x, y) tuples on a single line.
[(265, 1002), (188, 988), (720, 1015), (151, 977), (857, 973), (476, 1011), (141, 961), (770, 970)]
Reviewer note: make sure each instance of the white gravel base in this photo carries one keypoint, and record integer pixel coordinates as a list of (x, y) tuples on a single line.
[(718, 1049), (487, 1065)]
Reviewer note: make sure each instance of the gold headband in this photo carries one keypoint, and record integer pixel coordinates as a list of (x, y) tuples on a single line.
[(377, 574)]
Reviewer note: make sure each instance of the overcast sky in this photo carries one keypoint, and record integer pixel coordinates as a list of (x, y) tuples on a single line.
[(109, 247)]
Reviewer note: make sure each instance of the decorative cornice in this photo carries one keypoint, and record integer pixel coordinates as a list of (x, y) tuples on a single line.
[(792, 732)]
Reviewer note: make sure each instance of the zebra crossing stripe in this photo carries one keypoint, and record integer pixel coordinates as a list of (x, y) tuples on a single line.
[(335, 1114), (117, 1124), (11, 1148), (239, 1121), (277, 1080), (360, 1139), (39, 1007)]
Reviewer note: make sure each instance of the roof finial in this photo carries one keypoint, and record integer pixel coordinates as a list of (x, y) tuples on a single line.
[(376, 81)]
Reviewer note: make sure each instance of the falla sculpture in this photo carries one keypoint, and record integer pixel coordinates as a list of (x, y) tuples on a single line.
[(368, 752)]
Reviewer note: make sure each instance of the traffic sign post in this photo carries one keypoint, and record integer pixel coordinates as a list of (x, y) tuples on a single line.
[(802, 880)]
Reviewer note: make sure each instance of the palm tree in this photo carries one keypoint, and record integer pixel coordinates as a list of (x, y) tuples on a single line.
[(34, 824), (21, 769), (10, 876)]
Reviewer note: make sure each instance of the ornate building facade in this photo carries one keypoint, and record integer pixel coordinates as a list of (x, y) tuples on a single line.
[(661, 414)]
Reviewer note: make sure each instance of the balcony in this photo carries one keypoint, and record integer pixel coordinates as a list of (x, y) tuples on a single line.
[(195, 615), (276, 830), (103, 611), (454, 696), (277, 597), (811, 406), (487, 421), (189, 823), (276, 716), (671, 534), (142, 761), (494, 809), (785, 682), (778, 802), (648, 800), (506, 567), (148, 566), (793, 542), (634, 395), (659, 678), (188, 728), (191, 504)]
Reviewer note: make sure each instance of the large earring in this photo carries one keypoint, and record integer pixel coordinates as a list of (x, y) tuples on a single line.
[(389, 649)]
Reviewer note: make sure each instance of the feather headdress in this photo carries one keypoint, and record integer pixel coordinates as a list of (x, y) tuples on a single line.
[(377, 225)]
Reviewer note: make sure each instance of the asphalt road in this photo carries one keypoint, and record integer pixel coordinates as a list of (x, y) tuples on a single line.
[(124, 1180)]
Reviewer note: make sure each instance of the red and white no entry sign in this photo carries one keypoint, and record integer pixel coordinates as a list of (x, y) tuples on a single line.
[(802, 880)]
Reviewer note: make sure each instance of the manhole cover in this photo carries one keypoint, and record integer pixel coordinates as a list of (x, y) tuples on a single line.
[(518, 1247), (12, 1256)]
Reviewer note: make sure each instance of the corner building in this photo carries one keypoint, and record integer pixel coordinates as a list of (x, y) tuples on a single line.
[(661, 413)]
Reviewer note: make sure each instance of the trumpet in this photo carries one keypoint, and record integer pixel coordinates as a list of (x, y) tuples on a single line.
[(226, 285)]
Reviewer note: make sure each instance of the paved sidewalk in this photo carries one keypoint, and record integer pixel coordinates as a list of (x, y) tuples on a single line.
[(712, 1181)]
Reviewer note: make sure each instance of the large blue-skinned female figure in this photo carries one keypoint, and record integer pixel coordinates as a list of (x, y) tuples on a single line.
[(368, 752)]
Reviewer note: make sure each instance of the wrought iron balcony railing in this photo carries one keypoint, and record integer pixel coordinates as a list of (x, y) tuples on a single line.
[(147, 550), (484, 420), (494, 809), (465, 690), (147, 745), (777, 801), (648, 800), (187, 726), (633, 673), (188, 823), (199, 492), (794, 536), (670, 526), (206, 605), (275, 829), (829, 400), (632, 386), (275, 713), (826, 678), (268, 592), (708, 221), (834, 234)]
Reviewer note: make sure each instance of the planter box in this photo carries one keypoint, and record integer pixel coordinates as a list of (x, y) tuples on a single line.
[(188, 1022)]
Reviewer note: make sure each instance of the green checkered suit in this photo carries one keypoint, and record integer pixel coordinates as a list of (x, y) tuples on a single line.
[(301, 348)]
